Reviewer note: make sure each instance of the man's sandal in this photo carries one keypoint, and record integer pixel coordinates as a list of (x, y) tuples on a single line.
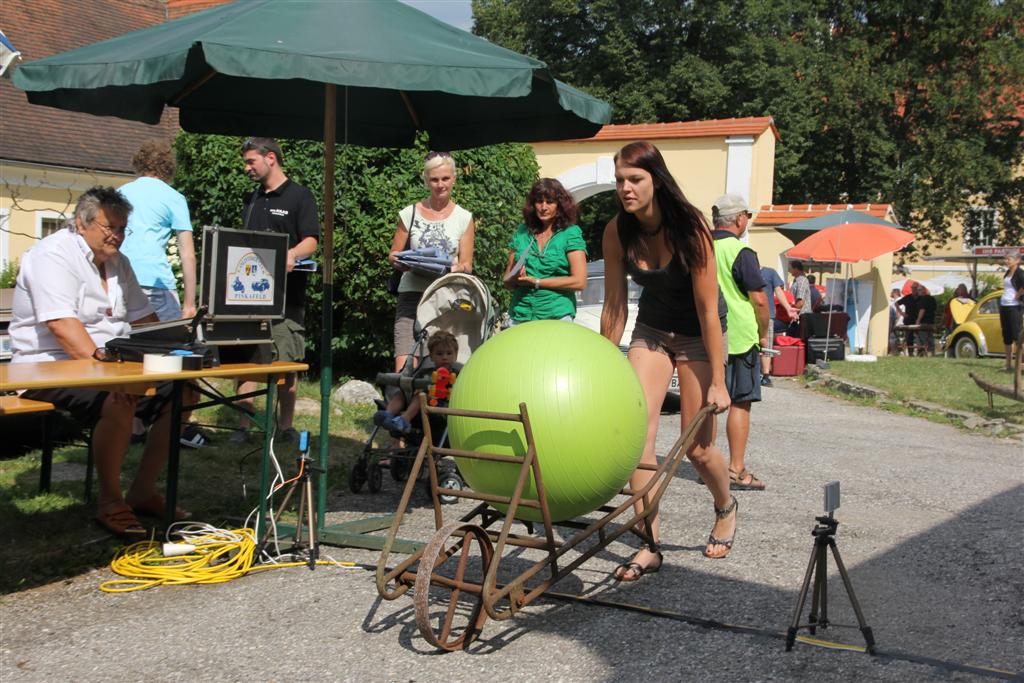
[(632, 571), (738, 481), (726, 542), (118, 519)]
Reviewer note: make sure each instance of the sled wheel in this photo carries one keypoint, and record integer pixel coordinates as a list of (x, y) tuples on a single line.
[(442, 575)]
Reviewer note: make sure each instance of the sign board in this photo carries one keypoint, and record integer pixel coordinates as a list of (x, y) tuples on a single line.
[(996, 251)]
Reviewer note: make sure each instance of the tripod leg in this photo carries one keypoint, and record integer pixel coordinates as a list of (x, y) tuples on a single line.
[(801, 599), (314, 547), (820, 588), (300, 513), (869, 637)]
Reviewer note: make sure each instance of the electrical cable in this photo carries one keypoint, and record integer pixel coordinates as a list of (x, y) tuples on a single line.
[(894, 655)]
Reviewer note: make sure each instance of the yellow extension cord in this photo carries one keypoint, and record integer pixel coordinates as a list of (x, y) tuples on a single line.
[(215, 560)]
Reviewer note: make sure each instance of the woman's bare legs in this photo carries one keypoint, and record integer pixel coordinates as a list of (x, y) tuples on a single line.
[(694, 380), (655, 372)]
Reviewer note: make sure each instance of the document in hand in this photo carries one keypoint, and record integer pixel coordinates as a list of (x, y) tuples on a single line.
[(514, 273), (305, 265)]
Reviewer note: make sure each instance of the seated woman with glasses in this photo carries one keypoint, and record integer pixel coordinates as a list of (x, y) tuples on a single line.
[(435, 222)]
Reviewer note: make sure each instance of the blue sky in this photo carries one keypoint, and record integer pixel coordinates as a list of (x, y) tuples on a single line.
[(458, 13)]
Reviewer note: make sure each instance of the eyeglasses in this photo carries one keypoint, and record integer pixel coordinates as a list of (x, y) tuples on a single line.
[(111, 231), (434, 155)]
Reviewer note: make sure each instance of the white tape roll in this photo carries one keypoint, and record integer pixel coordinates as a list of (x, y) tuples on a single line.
[(155, 362)]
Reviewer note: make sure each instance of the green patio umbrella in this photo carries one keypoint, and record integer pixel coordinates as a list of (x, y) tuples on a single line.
[(275, 68)]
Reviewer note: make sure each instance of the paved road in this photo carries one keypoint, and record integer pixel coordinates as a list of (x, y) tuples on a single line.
[(931, 532)]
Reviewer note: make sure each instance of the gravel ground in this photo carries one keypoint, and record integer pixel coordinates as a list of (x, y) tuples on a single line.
[(931, 535)]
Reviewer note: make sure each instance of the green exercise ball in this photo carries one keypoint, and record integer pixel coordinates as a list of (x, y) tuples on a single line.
[(585, 405)]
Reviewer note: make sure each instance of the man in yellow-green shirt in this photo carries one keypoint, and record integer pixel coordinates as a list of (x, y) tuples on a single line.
[(741, 284)]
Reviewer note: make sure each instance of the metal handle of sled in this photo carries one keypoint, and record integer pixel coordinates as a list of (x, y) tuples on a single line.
[(453, 540)]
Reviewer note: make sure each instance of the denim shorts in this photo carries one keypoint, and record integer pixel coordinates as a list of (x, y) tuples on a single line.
[(164, 302), (743, 376), (678, 347)]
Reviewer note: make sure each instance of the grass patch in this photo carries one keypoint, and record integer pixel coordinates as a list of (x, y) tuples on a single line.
[(943, 381), (52, 536)]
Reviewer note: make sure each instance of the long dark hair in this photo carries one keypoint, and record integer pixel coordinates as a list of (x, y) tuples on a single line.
[(552, 190), (687, 228)]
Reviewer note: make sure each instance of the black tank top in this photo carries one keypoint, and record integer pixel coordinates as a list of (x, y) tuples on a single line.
[(667, 301)]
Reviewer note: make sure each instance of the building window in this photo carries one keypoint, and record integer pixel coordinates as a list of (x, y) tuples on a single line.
[(981, 226), (48, 226)]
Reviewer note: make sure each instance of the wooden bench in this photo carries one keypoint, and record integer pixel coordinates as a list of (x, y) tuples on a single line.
[(917, 349), (15, 405)]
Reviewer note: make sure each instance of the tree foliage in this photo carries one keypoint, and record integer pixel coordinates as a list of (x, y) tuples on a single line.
[(914, 102), (371, 186)]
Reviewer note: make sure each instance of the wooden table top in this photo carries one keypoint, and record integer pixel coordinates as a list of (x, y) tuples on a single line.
[(127, 377)]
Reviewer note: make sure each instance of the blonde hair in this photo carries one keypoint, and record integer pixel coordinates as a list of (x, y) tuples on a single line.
[(435, 160)]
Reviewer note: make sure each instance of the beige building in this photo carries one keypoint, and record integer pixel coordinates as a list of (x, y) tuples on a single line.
[(710, 158)]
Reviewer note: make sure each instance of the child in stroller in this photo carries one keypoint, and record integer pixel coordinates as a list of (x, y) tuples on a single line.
[(460, 305), (443, 349)]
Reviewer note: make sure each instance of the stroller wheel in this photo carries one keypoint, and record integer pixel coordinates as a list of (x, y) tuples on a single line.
[(357, 477), (375, 479), (448, 477)]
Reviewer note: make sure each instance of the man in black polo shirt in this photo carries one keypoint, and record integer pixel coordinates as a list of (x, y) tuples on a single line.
[(918, 309), (279, 205)]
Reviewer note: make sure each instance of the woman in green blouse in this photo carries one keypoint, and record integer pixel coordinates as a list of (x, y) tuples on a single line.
[(547, 258)]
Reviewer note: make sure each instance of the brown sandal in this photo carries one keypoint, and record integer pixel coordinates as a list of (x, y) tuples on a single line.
[(738, 481), (118, 519), (155, 506)]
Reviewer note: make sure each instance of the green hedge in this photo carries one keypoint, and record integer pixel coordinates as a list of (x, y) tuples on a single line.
[(371, 186)]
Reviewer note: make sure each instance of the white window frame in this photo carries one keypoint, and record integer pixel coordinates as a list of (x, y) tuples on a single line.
[(968, 244), (43, 214)]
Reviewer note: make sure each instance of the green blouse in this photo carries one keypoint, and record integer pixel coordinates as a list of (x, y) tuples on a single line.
[(553, 261)]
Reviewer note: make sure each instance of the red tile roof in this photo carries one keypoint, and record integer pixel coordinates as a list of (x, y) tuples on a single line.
[(32, 133), (781, 214), (751, 125), (179, 8)]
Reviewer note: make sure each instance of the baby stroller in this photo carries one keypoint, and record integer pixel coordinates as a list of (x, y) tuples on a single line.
[(457, 303)]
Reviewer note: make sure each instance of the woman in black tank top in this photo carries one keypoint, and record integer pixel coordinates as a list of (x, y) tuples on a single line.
[(664, 243)]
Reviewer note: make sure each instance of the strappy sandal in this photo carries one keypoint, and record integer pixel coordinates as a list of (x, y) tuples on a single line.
[(737, 483), (727, 542), (632, 571), (155, 506), (118, 519)]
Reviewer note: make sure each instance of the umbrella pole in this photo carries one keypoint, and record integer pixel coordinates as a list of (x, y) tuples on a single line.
[(330, 123)]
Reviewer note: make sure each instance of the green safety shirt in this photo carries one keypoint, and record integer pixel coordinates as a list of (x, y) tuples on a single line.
[(741, 318), (553, 261)]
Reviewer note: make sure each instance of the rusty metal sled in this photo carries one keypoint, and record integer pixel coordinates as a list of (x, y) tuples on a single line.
[(464, 555)]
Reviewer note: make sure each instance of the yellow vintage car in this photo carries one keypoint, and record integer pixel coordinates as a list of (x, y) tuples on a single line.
[(979, 334)]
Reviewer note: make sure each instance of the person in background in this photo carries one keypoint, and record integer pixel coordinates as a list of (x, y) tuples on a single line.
[(74, 293), (436, 222), (158, 211), (815, 293), (775, 286), (740, 282), (961, 295), (800, 288), (555, 255), (918, 309), (895, 318), (1011, 306), (280, 205), (663, 241)]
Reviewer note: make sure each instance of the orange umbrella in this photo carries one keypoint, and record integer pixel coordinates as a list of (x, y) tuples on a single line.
[(851, 242)]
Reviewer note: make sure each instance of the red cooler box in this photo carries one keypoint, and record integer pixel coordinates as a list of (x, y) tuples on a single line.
[(791, 358)]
